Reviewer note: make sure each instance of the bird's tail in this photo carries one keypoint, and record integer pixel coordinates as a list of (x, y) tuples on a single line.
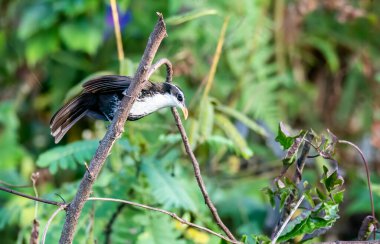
[(69, 114)]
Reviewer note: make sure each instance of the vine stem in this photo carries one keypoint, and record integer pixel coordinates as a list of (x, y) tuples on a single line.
[(365, 163), (49, 222)]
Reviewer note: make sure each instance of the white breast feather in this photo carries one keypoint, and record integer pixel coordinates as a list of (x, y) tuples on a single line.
[(152, 104)]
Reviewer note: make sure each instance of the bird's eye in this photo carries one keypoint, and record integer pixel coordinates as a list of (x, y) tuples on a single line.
[(179, 97)]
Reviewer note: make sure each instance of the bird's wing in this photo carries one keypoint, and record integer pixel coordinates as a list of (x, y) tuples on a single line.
[(107, 83)]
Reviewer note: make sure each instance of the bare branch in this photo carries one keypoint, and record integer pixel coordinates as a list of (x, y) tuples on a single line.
[(169, 68), (194, 161), (15, 186), (2, 188), (114, 132), (173, 215), (198, 176), (108, 229), (49, 222), (287, 220)]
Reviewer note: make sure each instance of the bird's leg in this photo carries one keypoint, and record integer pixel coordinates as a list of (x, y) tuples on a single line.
[(125, 94), (108, 118)]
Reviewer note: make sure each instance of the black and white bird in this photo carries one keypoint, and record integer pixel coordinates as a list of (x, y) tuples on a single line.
[(101, 98)]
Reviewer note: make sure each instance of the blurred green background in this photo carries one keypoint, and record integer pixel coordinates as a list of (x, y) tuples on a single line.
[(309, 63)]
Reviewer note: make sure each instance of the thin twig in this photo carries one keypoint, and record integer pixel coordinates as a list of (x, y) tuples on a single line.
[(198, 176), (2, 188), (368, 176), (194, 161), (287, 220), (169, 68), (15, 186), (173, 215), (119, 43), (113, 133), (108, 229), (49, 222)]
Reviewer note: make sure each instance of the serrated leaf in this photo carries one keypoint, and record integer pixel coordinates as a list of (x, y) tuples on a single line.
[(230, 130), (310, 221), (251, 124), (63, 156), (338, 196), (158, 230), (332, 181), (166, 189), (283, 137)]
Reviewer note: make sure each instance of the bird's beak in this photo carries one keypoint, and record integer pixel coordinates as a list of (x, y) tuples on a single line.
[(185, 112)]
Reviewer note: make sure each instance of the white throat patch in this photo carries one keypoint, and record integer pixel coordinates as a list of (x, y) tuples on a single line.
[(151, 104)]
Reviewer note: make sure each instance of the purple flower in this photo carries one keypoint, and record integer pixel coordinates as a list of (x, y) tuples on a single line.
[(124, 19)]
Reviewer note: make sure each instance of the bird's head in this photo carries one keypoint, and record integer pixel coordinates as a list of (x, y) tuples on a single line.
[(178, 98)]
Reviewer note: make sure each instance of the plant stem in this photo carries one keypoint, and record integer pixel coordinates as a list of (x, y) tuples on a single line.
[(119, 43)]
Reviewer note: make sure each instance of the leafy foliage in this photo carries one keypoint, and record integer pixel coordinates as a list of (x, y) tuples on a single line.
[(315, 68)]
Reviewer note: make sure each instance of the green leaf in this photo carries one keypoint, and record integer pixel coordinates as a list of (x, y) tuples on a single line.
[(271, 195), (37, 17), (170, 138), (230, 130), (41, 45), (338, 196), (332, 181), (260, 239), (242, 118), (82, 36), (283, 137), (327, 49), (206, 118), (63, 156), (310, 221), (180, 19), (166, 189), (11, 151), (193, 133), (159, 229), (217, 141)]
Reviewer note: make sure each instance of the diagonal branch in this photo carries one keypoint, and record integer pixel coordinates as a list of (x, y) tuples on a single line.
[(114, 132), (198, 176), (194, 160)]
